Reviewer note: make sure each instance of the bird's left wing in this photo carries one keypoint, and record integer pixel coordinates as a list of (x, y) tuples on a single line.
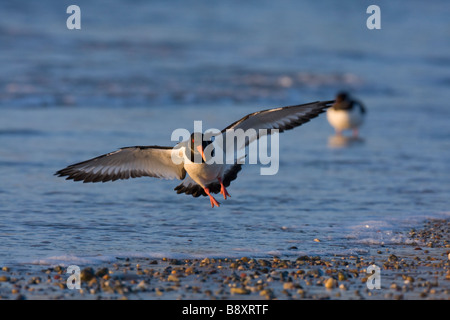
[(282, 119), (129, 162)]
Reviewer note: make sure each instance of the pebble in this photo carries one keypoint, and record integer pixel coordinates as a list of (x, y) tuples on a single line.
[(245, 259), (267, 293), (173, 278), (301, 292), (288, 286), (237, 290), (342, 276), (189, 270), (330, 283), (87, 274), (4, 279), (102, 272), (342, 286), (392, 258), (141, 285)]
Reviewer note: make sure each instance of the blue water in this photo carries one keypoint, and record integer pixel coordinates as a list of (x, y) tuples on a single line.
[(138, 70)]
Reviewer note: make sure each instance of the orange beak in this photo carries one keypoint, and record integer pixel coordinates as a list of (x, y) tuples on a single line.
[(200, 149)]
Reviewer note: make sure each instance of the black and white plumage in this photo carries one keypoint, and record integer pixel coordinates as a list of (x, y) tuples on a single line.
[(346, 114), (199, 177), (125, 163)]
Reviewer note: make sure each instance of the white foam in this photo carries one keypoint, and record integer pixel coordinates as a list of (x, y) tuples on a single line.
[(390, 230)]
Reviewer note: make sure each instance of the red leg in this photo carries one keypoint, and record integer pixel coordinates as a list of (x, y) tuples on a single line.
[(223, 190), (211, 198)]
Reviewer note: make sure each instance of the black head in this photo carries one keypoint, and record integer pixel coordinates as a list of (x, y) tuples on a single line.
[(197, 146), (342, 96)]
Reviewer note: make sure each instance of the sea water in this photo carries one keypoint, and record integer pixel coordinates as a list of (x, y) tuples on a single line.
[(136, 71)]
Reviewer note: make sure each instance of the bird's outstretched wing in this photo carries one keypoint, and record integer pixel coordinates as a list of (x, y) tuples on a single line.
[(282, 119), (129, 162)]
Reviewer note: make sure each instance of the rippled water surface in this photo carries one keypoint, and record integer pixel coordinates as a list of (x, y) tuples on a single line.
[(135, 72)]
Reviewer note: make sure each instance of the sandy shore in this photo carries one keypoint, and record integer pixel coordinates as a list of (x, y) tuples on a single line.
[(420, 270)]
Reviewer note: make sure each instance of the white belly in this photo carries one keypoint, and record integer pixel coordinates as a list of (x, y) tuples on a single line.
[(203, 173), (344, 119)]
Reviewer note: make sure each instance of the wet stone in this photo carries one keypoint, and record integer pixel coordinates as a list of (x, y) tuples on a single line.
[(87, 274)]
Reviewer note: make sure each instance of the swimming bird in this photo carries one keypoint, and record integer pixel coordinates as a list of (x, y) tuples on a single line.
[(346, 114), (188, 160)]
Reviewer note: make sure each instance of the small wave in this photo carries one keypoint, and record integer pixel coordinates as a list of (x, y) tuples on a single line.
[(195, 86), (390, 230), (20, 132)]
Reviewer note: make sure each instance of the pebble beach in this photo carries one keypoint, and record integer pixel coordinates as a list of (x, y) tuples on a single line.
[(414, 271)]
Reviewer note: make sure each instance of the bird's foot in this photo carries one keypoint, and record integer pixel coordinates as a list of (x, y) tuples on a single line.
[(213, 201), (223, 190)]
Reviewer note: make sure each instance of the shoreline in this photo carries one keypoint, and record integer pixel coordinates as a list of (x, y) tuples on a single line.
[(417, 270)]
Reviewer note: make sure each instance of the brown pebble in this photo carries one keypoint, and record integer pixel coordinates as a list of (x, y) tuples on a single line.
[(239, 291), (87, 274), (330, 283), (392, 258), (61, 285), (394, 286), (288, 285), (102, 272), (92, 282), (267, 293), (342, 276), (173, 278), (189, 270), (245, 259)]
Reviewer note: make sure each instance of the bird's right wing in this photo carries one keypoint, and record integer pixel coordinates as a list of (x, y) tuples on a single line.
[(129, 162)]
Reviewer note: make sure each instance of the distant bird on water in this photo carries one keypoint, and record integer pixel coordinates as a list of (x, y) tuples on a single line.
[(204, 178), (346, 114)]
